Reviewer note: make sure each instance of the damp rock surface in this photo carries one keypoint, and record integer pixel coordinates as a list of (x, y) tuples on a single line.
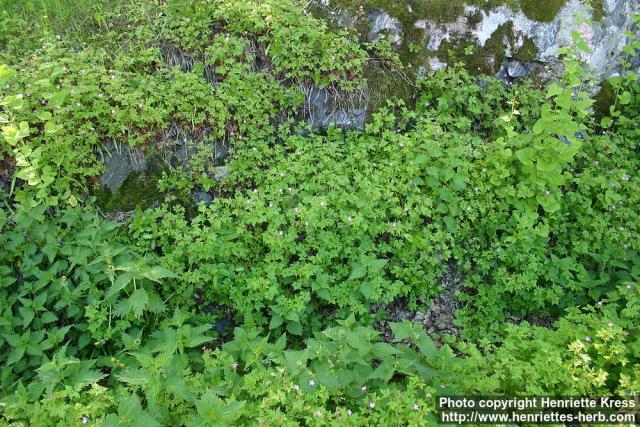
[(325, 109), (383, 22), (120, 161)]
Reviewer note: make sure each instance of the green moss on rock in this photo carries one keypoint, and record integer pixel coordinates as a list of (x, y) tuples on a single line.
[(475, 18), (137, 190), (542, 10), (605, 98), (598, 9), (485, 59), (387, 84), (528, 51)]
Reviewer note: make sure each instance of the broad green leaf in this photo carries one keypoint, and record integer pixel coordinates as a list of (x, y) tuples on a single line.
[(369, 290), (276, 321), (553, 90), (376, 266), (51, 128), (120, 283), (135, 304), (401, 331), (294, 327), (625, 98), (526, 155), (157, 273), (6, 74), (45, 116), (86, 377), (358, 271), (15, 355), (134, 376)]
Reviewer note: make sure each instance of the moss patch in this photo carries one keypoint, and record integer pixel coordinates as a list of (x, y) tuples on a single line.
[(387, 84), (137, 190), (485, 59), (528, 51), (605, 98), (542, 10), (598, 9)]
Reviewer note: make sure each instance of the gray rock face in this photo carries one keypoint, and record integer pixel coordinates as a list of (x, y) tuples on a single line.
[(119, 161), (517, 69), (325, 109), (176, 57), (177, 146), (382, 22), (221, 172), (202, 197), (605, 38)]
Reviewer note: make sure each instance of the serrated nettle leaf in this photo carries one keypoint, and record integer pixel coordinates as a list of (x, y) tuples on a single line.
[(135, 304), (121, 282), (276, 321), (369, 290), (15, 355), (27, 314), (86, 377), (358, 271), (134, 376), (554, 89), (157, 273), (401, 331), (294, 327), (507, 196)]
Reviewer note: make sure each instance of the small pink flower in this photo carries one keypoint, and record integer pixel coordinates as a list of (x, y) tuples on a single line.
[(372, 405)]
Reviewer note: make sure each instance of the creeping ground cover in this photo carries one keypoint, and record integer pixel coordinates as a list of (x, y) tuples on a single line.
[(179, 246)]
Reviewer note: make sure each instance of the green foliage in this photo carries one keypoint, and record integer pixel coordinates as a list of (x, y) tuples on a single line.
[(69, 289), (333, 224), (239, 81), (532, 235), (270, 35)]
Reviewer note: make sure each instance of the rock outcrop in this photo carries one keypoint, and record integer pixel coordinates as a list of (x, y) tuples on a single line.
[(510, 41)]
